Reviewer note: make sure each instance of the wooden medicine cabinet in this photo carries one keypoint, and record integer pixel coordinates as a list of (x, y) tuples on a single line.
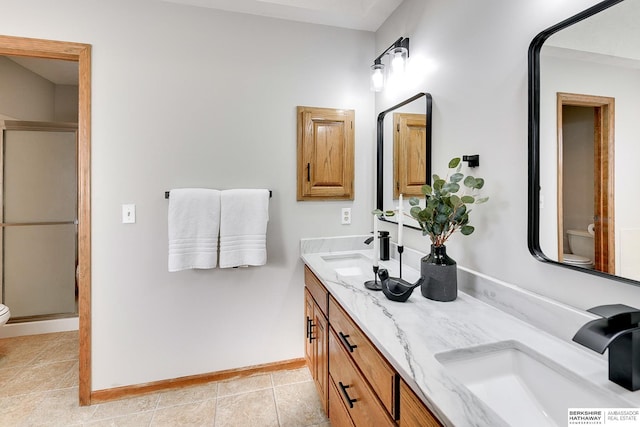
[(325, 153)]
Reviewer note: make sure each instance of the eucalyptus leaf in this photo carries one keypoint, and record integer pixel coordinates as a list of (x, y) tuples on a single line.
[(426, 189), (468, 199), (451, 187), (414, 201), (482, 200), (441, 219), (467, 229), (470, 181), (456, 177), (454, 162)]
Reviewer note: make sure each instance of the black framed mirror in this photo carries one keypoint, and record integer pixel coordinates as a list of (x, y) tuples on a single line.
[(403, 152), (584, 86)]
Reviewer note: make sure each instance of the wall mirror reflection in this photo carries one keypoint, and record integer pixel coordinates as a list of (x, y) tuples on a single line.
[(404, 153), (584, 82)]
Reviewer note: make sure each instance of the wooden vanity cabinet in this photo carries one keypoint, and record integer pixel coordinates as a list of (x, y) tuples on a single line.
[(357, 385), (317, 329), (413, 412)]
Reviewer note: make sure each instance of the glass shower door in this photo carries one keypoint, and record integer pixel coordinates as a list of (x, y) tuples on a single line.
[(39, 236)]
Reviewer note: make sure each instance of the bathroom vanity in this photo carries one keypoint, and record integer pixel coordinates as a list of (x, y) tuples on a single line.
[(422, 362), (356, 384)]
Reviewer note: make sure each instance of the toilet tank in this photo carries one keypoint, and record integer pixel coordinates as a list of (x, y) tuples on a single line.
[(581, 243)]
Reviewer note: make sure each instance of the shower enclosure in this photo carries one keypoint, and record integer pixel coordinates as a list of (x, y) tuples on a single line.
[(39, 220)]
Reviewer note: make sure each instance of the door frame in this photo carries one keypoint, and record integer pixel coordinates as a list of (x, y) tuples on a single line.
[(80, 53), (604, 135)]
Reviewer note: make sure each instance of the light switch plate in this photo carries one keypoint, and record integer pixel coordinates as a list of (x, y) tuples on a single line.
[(129, 214)]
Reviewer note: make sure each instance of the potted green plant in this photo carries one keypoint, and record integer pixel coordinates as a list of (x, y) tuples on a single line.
[(446, 211)]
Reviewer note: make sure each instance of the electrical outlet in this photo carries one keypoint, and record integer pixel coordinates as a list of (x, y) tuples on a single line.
[(346, 216), (128, 214)]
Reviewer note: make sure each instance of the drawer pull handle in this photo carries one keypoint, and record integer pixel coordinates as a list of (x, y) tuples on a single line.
[(308, 327), (311, 326), (345, 341), (343, 389)]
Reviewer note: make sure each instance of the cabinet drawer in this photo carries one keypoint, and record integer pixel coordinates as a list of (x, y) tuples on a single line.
[(317, 289), (338, 413), (354, 392), (382, 377)]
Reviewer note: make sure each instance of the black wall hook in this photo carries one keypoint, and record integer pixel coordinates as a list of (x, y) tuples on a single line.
[(473, 160)]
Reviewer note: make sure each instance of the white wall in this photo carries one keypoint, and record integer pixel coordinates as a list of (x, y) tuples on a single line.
[(185, 96), (479, 88)]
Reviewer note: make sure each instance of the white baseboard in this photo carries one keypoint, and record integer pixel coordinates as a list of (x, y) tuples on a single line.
[(39, 327)]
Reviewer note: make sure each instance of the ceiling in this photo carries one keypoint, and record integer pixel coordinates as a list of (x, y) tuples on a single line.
[(56, 71), (365, 15)]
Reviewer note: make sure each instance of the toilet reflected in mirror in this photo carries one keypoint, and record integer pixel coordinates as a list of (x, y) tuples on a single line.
[(581, 248)]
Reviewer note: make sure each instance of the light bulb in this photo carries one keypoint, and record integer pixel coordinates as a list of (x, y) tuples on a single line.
[(398, 59), (377, 77)]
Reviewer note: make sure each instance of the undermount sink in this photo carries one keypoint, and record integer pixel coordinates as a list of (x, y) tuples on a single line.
[(522, 386), (351, 264)]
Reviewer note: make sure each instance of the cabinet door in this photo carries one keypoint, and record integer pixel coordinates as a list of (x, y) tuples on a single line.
[(316, 346), (321, 344), (308, 320), (413, 413), (325, 153), (409, 154)]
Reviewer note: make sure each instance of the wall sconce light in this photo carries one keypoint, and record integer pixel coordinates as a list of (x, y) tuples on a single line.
[(399, 54)]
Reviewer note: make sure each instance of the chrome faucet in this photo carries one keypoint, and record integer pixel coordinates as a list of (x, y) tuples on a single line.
[(619, 331)]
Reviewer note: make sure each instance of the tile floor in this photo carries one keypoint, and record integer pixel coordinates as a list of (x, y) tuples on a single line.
[(38, 387)]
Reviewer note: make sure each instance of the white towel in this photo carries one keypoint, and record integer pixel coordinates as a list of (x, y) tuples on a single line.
[(243, 227), (194, 224)]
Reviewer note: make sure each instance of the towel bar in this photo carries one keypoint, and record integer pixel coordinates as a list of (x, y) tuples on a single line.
[(166, 194)]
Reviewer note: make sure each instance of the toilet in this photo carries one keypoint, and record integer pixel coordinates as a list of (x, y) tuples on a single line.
[(4, 314), (581, 244)]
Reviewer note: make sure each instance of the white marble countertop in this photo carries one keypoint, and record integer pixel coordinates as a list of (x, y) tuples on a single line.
[(410, 334)]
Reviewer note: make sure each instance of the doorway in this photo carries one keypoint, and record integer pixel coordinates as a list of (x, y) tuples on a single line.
[(38, 220), (586, 173), (80, 53)]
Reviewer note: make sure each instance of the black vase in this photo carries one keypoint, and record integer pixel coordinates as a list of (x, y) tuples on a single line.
[(441, 275)]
